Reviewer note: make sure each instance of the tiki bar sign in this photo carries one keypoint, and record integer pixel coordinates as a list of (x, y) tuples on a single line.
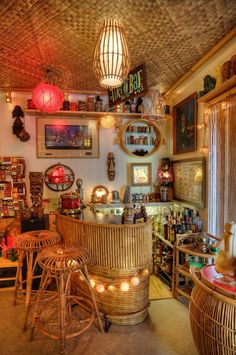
[(134, 85)]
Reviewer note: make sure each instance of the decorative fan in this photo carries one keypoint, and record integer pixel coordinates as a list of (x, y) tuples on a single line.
[(59, 177)]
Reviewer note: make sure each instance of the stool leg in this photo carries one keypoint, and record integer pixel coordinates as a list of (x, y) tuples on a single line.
[(85, 272), (18, 282), (62, 310), (42, 288), (29, 281)]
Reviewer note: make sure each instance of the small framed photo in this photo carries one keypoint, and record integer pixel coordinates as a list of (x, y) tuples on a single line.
[(185, 125), (141, 174)]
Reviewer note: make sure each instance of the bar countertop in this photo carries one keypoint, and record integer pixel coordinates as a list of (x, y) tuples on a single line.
[(94, 217)]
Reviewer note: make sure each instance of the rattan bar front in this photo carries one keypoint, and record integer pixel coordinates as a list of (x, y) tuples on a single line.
[(213, 318), (118, 252)]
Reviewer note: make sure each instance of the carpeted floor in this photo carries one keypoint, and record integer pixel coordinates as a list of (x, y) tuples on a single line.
[(166, 331)]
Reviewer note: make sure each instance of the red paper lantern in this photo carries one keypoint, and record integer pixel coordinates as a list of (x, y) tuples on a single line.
[(47, 98)]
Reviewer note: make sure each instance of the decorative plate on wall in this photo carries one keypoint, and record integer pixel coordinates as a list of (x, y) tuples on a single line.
[(59, 177)]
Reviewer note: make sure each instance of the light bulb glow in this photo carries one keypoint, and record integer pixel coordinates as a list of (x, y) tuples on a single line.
[(111, 288), (100, 288), (124, 286), (135, 281), (145, 272)]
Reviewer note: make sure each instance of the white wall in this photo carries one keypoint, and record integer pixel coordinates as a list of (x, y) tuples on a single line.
[(91, 171)]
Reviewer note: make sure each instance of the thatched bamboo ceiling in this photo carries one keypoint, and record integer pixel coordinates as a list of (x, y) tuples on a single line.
[(170, 36)]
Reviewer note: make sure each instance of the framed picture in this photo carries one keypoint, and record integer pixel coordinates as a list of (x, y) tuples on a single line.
[(189, 181), (67, 138), (140, 173), (185, 125)]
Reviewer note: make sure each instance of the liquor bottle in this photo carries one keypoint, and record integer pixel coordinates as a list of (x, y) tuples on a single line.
[(198, 223), (166, 225)]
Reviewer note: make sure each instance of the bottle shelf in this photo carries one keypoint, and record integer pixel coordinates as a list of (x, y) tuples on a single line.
[(167, 242), (184, 270)]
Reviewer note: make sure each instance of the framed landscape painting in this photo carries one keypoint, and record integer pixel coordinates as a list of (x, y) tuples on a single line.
[(67, 138), (185, 125)]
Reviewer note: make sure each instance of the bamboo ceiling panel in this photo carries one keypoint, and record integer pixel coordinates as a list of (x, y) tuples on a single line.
[(170, 36)]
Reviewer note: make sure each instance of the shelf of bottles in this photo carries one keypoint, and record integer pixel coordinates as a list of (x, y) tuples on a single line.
[(167, 225), (140, 135)]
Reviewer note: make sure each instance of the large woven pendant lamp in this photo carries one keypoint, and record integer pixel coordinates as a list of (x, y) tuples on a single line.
[(111, 55)]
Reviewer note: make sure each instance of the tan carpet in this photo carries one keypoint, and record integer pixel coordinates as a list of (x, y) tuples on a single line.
[(166, 331)]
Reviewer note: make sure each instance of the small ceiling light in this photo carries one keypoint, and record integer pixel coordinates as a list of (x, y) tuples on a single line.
[(111, 55), (8, 97), (47, 97)]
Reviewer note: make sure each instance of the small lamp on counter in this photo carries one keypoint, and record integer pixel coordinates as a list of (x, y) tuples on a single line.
[(99, 194), (166, 179)]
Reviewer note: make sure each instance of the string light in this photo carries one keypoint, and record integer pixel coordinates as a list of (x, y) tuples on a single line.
[(123, 285), (135, 281)]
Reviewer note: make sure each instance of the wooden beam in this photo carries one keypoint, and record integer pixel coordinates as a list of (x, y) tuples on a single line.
[(224, 40)]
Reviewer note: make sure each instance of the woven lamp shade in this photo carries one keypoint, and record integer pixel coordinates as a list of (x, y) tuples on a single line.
[(107, 121), (47, 98), (111, 55)]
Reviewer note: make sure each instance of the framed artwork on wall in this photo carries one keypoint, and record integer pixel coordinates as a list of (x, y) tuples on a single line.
[(140, 173), (189, 181), (59, 137), (185, 125)]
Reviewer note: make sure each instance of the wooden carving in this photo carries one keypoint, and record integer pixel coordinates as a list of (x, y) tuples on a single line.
[(111, 166), (36, 188), (18, 125)]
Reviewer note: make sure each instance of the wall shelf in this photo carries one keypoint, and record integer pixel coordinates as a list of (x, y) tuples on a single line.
[(227, 85), (93, 114)]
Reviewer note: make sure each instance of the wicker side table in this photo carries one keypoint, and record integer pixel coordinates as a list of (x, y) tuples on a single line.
[(212, 315), (57, 318), (28, 244)]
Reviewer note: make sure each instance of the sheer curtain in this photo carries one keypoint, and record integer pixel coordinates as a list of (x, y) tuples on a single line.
[(222, 165)]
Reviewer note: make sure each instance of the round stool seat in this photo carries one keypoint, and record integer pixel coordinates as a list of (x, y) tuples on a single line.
[(36, 240), (60, 259)]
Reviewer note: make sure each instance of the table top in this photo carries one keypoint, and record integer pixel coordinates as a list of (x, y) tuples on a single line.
[(224, 284)]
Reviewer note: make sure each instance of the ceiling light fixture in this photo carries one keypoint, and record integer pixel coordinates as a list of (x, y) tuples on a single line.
[(47, 97), (111, 55)]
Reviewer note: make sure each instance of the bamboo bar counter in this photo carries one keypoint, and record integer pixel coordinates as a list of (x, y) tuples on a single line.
[(122, 255)]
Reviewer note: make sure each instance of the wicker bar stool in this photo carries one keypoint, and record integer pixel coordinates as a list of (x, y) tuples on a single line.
[(59, 322), (28, 245)]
